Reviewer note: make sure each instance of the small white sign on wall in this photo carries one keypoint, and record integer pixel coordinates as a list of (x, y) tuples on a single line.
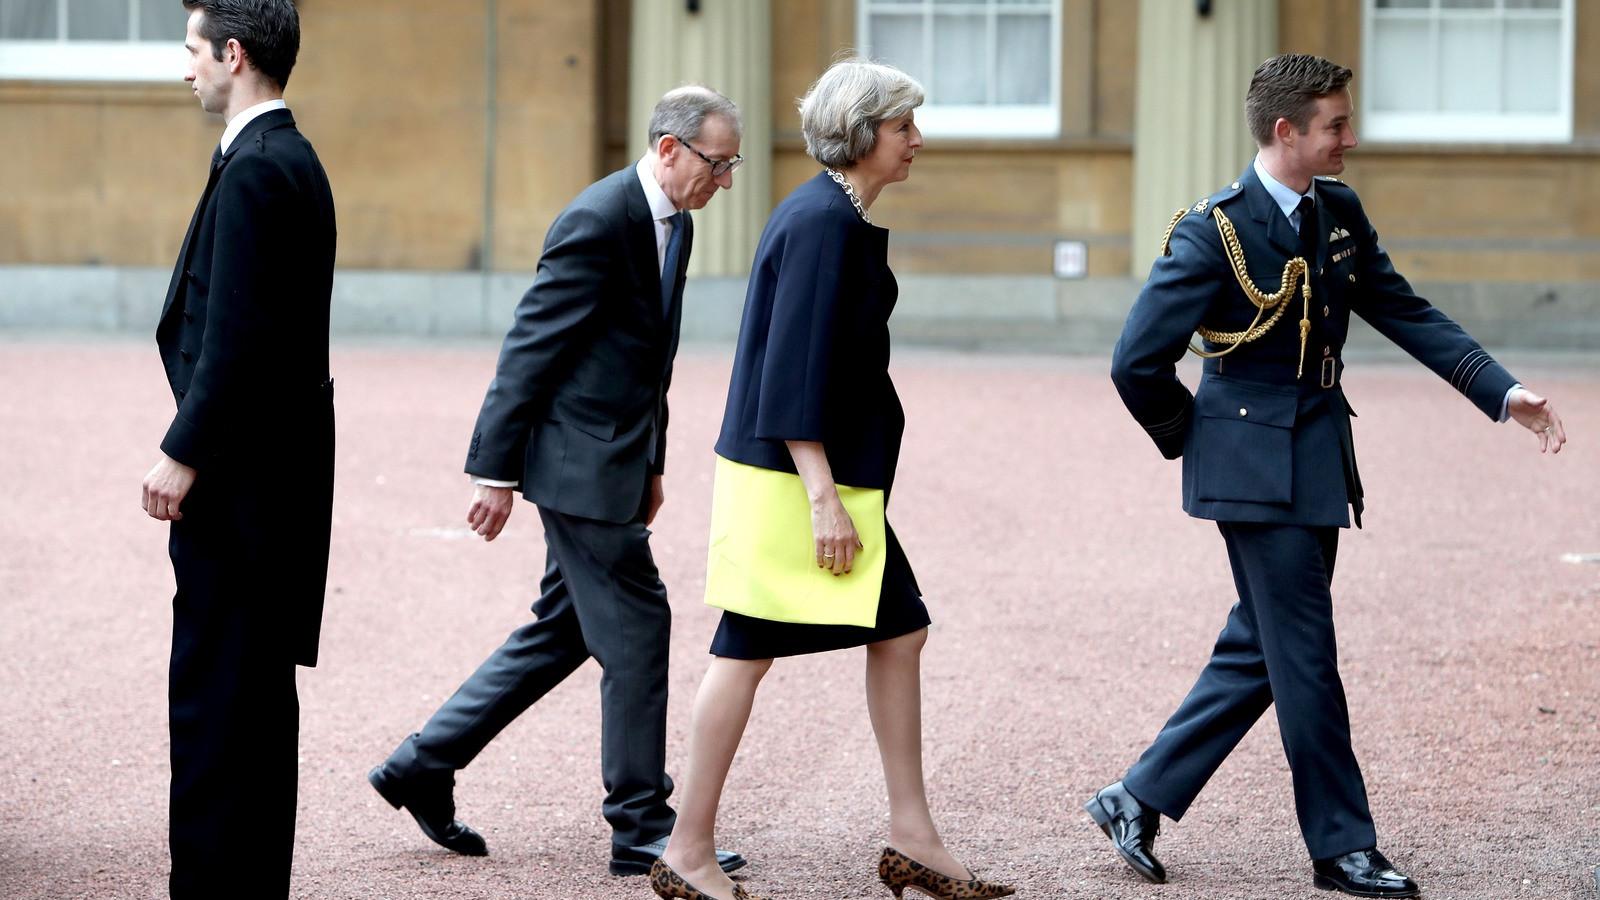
[(1071, 259)]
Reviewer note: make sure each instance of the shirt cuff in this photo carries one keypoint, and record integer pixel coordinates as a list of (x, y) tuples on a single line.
[(491, 482), (1505, 405)]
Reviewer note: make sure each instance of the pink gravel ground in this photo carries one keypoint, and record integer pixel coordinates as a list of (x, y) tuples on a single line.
[(1073, 600)]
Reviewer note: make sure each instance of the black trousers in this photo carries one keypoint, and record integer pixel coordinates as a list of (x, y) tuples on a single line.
[(600, 597), (1277, 647), (234, 722)]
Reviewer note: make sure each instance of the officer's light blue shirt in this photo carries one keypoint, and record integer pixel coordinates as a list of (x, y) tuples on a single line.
[(1288, 200)]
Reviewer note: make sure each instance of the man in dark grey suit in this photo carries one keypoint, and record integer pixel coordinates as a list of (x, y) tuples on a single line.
[(577, 415)]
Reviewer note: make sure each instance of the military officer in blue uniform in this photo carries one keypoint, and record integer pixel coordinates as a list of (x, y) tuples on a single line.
[(1268, 271)]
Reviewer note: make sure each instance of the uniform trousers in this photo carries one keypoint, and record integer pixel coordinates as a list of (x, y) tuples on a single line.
[(1278, 648)]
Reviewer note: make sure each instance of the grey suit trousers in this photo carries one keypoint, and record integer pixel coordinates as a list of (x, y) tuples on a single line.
[(601, 596)]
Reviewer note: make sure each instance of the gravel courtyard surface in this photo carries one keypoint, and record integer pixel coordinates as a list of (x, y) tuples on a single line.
[(1073, 605)]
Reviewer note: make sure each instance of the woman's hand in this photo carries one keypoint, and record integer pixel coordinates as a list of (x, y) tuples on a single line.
[(834, 534), (831, 529)]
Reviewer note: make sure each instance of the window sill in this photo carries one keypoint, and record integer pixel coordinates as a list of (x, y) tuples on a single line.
[(1578, 147), (139, 93)]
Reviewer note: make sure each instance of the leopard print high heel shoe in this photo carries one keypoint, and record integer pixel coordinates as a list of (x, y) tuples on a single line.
[(898, 872), (669, 885)]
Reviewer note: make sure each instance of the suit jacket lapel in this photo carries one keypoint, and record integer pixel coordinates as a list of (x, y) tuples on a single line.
[(1325, 226), (641, 241), (1265, 211), (675, 317), (187, 248)]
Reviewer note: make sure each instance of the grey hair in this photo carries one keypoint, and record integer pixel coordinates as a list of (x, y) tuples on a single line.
[(841, 113), (682, 112)]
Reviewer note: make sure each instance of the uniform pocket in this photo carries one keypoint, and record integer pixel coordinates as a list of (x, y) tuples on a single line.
[(1243, 441)]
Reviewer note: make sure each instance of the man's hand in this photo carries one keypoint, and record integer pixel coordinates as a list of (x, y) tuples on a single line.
[(491, 507), (1535, 413), (165, 487), (658, 496)]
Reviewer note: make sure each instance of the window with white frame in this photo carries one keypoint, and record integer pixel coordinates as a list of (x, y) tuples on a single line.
[(991, 68), (1468, 70), (92, 40)]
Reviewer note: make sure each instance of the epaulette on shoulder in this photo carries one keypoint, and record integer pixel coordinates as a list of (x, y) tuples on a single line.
[(1200, 208), (1328, 182)]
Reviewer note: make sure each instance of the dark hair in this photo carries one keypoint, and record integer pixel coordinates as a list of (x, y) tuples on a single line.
[(268, 30), (1288, 87)]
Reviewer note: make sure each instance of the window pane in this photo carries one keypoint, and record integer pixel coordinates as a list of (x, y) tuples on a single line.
[(97, 20), (1469, 65), (1533, 67), (897, 40), (1533, 4), (1402, 66), (162, 20), (28, 19), (1403, 4), (1467, 4), (962, 73), (1023, 68)]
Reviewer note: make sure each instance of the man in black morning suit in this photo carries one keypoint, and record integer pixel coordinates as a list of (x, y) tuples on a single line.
[(577, 415), (1268, 454), (243, 336)]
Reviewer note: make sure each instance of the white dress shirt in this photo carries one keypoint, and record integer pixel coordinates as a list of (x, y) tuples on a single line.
[(238, 122), (1289, 202), (661, 208)]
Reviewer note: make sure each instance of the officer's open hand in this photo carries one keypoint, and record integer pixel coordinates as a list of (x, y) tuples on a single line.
[(165, 487), (491, 507), (1535, 413)]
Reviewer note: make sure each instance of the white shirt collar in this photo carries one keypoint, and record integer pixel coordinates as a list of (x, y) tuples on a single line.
[(1287, 199), (660, 206), (238, 122)]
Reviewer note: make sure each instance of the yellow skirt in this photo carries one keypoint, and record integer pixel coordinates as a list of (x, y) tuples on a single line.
[(763, 560)]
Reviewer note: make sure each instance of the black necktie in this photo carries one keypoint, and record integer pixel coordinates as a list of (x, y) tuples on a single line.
[(669, 266), (1308, 229)]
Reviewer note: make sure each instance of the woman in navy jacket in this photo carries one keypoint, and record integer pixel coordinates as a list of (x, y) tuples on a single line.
[(811, 395)]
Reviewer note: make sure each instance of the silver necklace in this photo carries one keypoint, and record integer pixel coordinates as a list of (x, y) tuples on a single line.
[(851, 193)]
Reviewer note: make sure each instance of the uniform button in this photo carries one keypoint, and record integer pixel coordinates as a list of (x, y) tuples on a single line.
[(185, 355), (1321, 270), (1327, 351), (1352, 276), (1243, 411), (188, 316), (1324, 310), (1234, 186), (181, 392)]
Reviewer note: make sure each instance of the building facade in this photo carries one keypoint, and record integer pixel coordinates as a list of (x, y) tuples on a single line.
[(1061, 134)]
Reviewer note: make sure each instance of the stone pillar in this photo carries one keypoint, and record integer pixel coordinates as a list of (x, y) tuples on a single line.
[(1190, 136), (726, 45)]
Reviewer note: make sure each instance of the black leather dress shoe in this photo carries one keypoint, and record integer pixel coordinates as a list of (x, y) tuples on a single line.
[(1364, 873), (1132, 828), (637, 860), (431, 801)]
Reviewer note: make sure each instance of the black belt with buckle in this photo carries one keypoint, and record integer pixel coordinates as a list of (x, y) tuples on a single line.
[(1276, 372)]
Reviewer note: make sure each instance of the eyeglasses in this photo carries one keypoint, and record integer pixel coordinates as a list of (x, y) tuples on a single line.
[(719, 167)]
